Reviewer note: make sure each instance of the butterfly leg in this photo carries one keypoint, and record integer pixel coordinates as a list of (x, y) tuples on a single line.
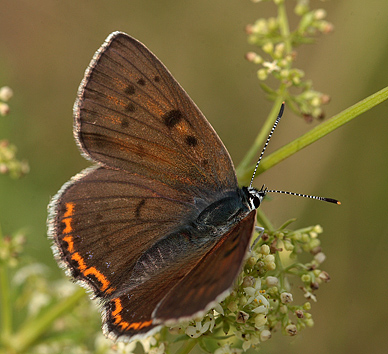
[(260, 230)]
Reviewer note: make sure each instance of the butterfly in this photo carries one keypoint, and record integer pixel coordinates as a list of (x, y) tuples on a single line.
[(158, 228)]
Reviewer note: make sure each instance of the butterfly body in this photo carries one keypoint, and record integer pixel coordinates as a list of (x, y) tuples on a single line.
[(158, 229)]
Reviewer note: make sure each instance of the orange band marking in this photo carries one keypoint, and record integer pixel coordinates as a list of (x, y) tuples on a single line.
[(110, 290), (70, 243), (69, 210), (68, 229), (67, 217), (81, 263), (101, 278), (118, 306), (118, 320), (67, 220), (140, 325)]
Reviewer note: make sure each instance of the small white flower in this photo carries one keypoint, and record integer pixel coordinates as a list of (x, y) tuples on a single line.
[(248, 281), (226, 349), (319, 14), (261, 309), (265, 334), (3, 170), (256, 294), (198, 329), (320, 257), (125, 348), (5, 93), (246, 345), (4, 109), (157, 350), (218, 308), (260, 320), (271, 66), (310, 296), (248, 339), (324, 276), (147, 343), (286, 298), (242, 317), (264, 249), (102, 344), (272, 281), (232, 306), (291, 329), (210, 318)]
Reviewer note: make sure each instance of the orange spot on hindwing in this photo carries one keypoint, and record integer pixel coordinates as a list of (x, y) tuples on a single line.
[(118, 319), (67, 218), (71, 249)]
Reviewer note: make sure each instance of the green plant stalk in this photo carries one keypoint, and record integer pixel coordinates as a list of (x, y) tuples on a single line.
[(6, 318), (284, 26), (36, 327), (6, 315), (260, 139), (264, 221), (315, 134)]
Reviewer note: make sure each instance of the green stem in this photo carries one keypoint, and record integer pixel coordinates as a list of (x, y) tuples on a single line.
[(284, 26), (315, 134), (187, 346), (35, 328), (260, 139), (6, 318), (264, 221), (6, 308)]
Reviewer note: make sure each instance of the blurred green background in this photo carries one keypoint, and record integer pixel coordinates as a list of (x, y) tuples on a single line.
[(45, 47)]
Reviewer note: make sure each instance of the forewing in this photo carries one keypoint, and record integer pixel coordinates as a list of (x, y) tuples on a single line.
[(132, 115)]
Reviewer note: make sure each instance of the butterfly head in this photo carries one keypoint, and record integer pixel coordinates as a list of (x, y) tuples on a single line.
[(254, 196)]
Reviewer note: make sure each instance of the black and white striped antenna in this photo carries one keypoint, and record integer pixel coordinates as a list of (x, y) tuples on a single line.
[(265, 190)]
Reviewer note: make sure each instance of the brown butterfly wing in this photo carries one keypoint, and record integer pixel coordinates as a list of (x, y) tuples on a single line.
[(132, 115), (103, 220), (211, 278), (130, 314)]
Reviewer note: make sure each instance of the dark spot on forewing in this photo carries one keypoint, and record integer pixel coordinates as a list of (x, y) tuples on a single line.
[(130, 107), (138, 208), (98, 217), (141, 82), (191, 140), (156, 78), (172, 118), (124, 123), (130, 89)]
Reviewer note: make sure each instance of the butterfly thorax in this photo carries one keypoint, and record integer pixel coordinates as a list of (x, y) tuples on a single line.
[(229, 209)]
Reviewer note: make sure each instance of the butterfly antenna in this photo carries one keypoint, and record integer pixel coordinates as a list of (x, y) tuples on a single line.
[(268, 139), (330, 200)]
